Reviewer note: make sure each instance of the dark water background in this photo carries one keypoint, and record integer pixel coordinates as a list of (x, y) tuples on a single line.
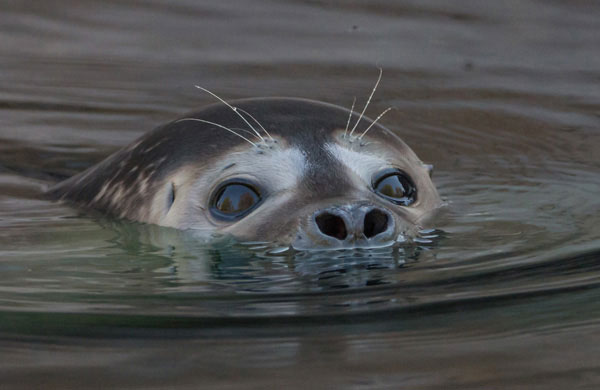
[(502, 97)]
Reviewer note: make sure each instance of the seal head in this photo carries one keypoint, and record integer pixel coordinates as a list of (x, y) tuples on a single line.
[(270, 169)]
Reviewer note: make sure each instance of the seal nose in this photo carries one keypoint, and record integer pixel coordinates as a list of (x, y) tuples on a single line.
[(332, 225), (376, 221), (357, 221)]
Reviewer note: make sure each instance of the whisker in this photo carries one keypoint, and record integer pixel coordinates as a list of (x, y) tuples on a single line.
[(215, 124), (368, 101), (235, 109), (244, 130), (257, 122), (375, 121), (350, 116)]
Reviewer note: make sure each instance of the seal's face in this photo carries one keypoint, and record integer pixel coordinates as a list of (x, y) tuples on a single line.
[(304, 181)]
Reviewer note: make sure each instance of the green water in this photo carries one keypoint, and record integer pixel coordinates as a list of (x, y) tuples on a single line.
[(502, 97)]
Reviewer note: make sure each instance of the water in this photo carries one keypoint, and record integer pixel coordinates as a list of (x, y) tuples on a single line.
[(504, 100)]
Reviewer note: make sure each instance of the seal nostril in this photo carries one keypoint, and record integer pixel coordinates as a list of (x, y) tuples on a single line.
[(376, 221), (332, 225)]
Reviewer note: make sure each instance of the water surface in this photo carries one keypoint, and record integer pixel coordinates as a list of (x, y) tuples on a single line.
[(504, 100)]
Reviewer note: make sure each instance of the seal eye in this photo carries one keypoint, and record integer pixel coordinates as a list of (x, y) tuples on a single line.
[(395, 186), (233, 200)]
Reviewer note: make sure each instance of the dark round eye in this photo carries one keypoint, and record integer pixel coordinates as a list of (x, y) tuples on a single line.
[(395, 186), (233, 200)]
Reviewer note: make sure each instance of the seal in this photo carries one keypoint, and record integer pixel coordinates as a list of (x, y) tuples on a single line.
[(287, 170)]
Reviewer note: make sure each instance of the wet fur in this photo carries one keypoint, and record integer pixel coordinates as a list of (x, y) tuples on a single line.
[(183, 159)]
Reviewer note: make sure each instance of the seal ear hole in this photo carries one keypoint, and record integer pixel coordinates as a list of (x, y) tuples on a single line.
[(429, 168), (170, 195)]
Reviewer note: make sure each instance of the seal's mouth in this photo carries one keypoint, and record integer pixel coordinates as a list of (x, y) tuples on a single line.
[(420, 239), (304, 243), (424, 238)]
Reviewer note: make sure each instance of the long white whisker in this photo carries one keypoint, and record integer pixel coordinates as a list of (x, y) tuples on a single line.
[(257, 122), (215, 124), (244, 130), (368, 101), (375, 121), (235, 109), (350, 116)]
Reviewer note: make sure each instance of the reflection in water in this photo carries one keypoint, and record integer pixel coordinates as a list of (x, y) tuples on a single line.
[(196, 264), (502, 99)]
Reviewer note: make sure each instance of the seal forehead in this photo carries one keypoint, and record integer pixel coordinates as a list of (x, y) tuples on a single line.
[(325, 174), (362, 164), (278, 167)]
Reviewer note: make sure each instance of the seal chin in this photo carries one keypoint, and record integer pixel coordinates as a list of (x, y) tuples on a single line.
[(348, 226), (304, 243)]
